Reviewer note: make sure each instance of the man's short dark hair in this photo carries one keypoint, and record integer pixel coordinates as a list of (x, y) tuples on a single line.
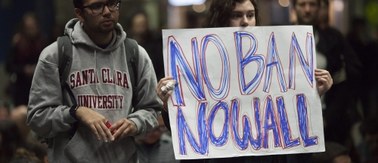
[(78, 3), (295, 2)]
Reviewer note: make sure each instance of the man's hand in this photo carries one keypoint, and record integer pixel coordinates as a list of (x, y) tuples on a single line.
[(123, 128), (96, 122)]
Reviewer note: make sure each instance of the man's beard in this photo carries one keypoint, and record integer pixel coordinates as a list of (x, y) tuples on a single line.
[(105, 29), (307, 21)]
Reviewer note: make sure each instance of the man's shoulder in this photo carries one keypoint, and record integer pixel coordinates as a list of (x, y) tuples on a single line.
[(49, 53)]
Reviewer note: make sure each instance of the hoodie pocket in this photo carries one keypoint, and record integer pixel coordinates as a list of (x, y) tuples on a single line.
[(84, 147), (77, 148)]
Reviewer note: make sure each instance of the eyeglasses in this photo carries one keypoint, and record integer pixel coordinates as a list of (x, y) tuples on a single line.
[(98, 8)]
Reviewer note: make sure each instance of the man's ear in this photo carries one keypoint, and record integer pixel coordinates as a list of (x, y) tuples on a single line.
[(79, 14)]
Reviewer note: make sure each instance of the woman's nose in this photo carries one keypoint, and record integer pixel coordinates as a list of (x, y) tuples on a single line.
[(244, 21)]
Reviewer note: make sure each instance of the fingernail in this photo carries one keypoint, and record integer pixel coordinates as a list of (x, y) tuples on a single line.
[(108, 124)]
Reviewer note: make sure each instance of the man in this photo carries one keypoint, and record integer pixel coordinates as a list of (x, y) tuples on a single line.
[(334, 55), (101, 128)]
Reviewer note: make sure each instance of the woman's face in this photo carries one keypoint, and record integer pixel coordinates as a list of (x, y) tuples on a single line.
[(243, 15)]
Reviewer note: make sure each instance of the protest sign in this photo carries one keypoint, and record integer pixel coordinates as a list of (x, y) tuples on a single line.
[(243, 91)]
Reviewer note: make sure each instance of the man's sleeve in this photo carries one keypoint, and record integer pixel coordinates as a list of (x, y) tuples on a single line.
[(148, 104), (46, 114)]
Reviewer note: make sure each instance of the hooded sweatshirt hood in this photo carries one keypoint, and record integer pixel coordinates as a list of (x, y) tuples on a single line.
[(74, 30)]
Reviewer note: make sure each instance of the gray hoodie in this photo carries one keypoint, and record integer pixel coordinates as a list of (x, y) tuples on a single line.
[(99, 79)]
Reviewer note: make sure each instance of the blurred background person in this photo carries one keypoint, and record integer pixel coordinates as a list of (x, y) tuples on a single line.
[(335, 153), (27, 44), (335, 55), (13, 148), (23, 155), (18, 115), (367, 148), (363, 43), (18, 142), (138, 28), (10, 140)]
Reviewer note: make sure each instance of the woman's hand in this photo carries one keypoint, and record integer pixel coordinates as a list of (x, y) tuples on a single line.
[(163, 92), (324, 81)]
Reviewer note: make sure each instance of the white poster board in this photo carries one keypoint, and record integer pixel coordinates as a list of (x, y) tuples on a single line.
[(243, 91)]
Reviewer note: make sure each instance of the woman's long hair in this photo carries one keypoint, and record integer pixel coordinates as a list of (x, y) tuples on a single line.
[(220, 12)]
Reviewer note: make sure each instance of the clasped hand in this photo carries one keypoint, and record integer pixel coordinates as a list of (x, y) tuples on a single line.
[(98, 125)]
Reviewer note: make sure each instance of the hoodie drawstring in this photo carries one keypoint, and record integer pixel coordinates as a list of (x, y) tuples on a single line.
[(96, 68)]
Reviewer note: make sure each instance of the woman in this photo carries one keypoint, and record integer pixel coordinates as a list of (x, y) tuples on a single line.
[(243, 13), (238, 13)]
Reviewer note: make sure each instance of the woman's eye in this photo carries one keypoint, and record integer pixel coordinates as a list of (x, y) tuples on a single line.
[(236, 15), (251, 15)]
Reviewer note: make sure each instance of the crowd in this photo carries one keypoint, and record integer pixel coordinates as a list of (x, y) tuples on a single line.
[(43, 112)]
